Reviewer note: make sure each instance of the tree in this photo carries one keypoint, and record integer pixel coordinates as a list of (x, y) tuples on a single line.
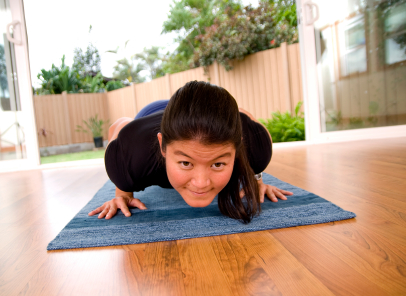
[(151, 60), (86, 62), (89, 61), (59, 79), (247, 31), (126, 70), (176, 62), (3, 72), (396, 31), (190, 18)]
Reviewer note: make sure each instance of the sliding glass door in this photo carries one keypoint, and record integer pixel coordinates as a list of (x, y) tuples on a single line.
[(18, 141), (355, 66)]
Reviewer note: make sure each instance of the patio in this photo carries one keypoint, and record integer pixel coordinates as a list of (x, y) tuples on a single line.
[(361, 256)]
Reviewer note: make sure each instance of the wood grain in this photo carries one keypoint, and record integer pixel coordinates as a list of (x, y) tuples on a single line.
[(361, 256), (245, 274), (289, 275)]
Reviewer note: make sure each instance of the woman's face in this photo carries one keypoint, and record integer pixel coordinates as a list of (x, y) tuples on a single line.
[(198, 172)]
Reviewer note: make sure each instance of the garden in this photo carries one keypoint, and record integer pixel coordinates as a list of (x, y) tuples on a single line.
[(209, 32)]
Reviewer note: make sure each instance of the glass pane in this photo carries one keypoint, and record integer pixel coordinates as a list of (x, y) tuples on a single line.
[(12, 139), (361, 60)]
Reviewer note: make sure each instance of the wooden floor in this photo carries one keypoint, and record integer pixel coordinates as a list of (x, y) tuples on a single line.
[(361, 256)]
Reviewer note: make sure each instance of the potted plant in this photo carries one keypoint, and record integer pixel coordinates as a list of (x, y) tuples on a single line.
[(95, 126)]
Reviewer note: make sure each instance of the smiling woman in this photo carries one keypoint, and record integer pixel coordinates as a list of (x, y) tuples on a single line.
[(201, 145), (197, 171)]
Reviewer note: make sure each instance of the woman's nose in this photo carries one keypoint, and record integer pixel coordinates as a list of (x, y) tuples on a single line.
[(200, 180)]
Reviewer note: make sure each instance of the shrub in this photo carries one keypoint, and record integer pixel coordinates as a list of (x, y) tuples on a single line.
[(94, 125), (92, 84), (59, 79), (113, 85), (284, 127)]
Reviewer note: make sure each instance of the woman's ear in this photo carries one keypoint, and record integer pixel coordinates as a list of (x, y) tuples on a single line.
[(159, 135)]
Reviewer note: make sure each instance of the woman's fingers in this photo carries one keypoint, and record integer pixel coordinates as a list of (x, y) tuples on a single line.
[(111, 212), (136, 203), (285, 192), (122, 204), (96, 211), (280, 195), (109, 209), (104, 212), (262, 192), (270, 194), (274, 193)]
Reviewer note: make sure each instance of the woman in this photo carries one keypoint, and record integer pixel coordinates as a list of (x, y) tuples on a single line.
[(201, 145)]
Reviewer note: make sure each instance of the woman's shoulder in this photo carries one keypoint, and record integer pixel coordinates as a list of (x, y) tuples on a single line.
[(258, 143), (142, 126), (132, 157), (253, 126)]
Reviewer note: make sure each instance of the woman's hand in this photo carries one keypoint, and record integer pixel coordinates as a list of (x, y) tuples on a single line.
[(109, 208), (272, 192)]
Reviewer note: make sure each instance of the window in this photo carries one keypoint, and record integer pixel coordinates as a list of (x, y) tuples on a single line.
[(351, 35)]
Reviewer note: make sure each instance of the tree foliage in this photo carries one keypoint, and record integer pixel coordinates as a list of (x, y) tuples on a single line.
[(190, 18), (63, 78), (247, 31), (86, 62), (176, 62), (387, 8), (3, 72), (91, 84), (126, 70), (113, 85), (59, 79), (223, 30), (151, 59)]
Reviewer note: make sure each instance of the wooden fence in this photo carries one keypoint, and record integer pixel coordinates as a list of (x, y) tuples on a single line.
[(58, 116), (262, 83)]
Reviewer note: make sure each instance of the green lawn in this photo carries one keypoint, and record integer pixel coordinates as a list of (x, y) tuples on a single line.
[(73, 156)]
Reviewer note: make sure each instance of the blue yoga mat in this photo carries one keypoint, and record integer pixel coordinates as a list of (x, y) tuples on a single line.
[(169, 218)]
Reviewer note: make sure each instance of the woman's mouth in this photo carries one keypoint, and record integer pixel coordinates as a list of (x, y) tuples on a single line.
[(199, 193)]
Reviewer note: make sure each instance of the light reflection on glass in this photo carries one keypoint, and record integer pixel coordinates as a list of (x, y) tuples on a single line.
[(361, 60)]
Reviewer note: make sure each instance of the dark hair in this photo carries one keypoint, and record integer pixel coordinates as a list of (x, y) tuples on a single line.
[(208, 113)]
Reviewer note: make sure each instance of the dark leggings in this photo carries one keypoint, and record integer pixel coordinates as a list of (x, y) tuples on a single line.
[(152, 108)]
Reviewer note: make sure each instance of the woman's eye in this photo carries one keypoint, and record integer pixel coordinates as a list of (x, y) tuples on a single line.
[(185, 163), (218, 165)]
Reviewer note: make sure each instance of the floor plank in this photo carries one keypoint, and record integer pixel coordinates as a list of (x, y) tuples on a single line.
[(201, 269)]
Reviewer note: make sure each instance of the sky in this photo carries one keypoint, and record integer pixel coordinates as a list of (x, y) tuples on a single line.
[(55, 28)]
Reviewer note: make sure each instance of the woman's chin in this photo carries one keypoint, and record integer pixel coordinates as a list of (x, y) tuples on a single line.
[(199, 201)]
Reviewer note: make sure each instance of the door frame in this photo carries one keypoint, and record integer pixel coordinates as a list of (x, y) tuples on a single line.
[(26, 95)]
